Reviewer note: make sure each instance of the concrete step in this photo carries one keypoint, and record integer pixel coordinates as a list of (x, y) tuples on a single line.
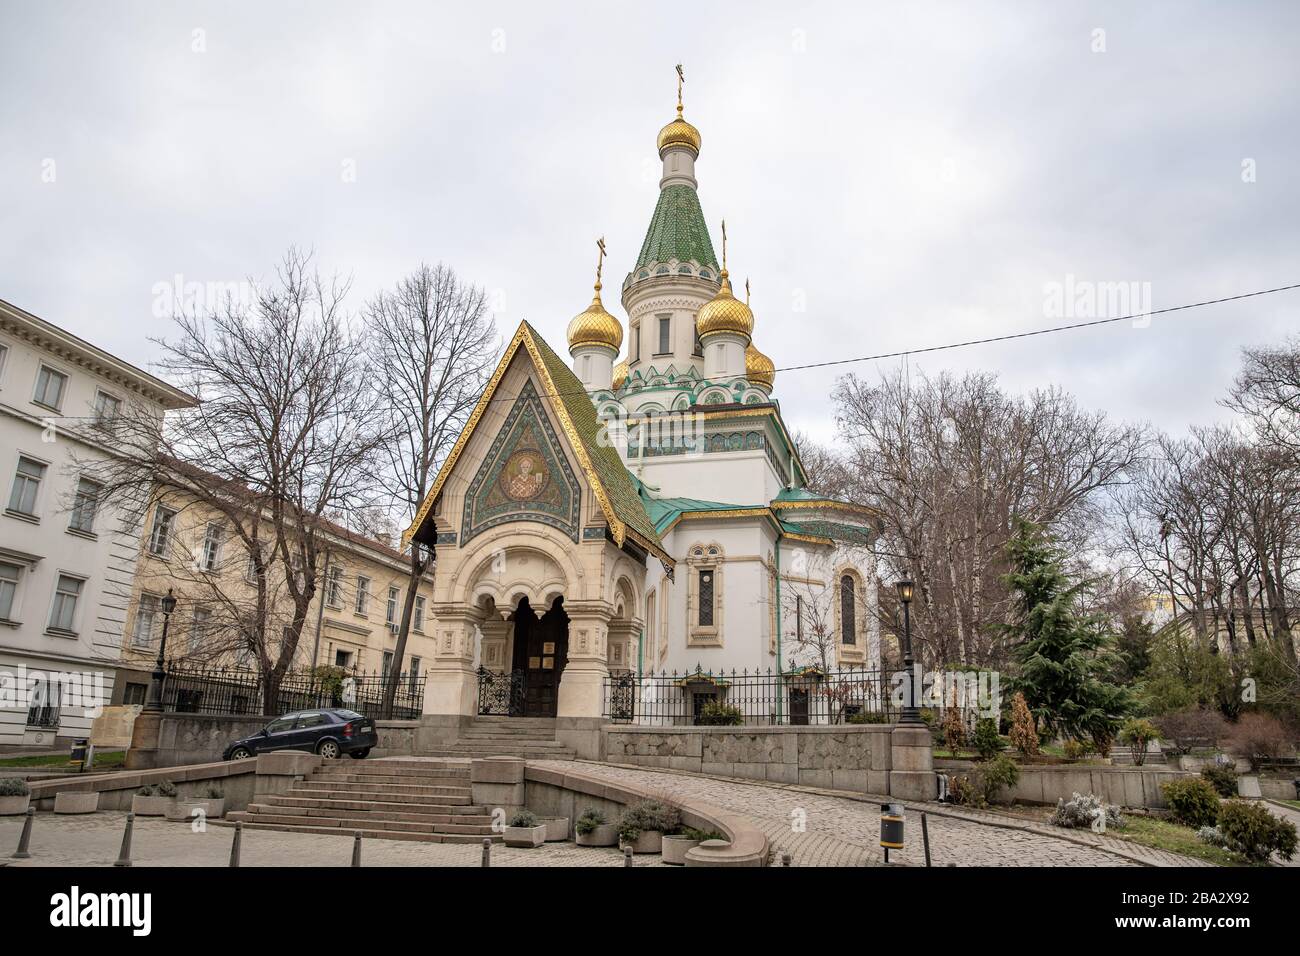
[(396, 773), (508, 752), (452, 778), (492, 735), (381, 796), (366, 833), (514, 721), (447, 818), (363, 821), (411, 789), (442, 808)]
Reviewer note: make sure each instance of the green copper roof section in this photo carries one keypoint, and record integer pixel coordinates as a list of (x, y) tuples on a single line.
[(835, 530), (614, 476), (677, 230), (664, 511)]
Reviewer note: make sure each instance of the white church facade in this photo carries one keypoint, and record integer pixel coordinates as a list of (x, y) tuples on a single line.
[(640, 509)]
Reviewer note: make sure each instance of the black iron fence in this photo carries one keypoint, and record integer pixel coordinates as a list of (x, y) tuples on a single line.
[(230, 690), (501, 693), (799, 696)]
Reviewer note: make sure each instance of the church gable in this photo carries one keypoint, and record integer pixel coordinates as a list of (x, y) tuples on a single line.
[(524, 476)]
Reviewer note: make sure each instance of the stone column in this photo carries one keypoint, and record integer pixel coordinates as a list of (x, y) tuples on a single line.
[(582, 685), (451, 686), (911, 774)]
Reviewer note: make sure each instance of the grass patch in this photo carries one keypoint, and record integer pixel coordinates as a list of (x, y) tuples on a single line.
[(1163, 835), (1293, 804), (106, 760)]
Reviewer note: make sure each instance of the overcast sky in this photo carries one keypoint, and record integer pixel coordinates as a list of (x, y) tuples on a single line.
[(906, 174)]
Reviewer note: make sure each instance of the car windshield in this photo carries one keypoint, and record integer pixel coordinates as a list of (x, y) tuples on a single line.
[(349, 714)]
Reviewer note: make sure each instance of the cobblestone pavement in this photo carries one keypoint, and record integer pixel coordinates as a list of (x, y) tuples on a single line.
[(95, 839), (844, 830)]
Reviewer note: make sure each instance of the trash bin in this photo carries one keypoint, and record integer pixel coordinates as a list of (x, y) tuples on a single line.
[(82, 751), (891, 826)]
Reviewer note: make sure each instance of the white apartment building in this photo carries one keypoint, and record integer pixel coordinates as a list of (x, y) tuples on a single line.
[(67, 559)]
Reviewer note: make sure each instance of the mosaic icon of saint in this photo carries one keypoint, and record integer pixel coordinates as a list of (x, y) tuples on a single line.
[(523, 478)]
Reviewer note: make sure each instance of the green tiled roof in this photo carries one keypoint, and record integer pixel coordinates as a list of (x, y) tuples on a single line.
[(677, 230), (614, 476), (663, 511), (835, 530)]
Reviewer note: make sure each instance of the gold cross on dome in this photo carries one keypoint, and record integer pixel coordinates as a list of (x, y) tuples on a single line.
[(747, 290), (724, 245), (600, 259), (681, 78)]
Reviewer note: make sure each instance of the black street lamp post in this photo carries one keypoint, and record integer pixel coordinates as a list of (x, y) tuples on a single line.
[(154, 704), (911, 714)]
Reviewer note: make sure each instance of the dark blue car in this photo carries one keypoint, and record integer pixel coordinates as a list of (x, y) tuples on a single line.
[(329, 731)]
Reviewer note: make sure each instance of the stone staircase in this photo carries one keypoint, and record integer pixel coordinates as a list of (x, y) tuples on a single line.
[(505, 737), (426, 800)]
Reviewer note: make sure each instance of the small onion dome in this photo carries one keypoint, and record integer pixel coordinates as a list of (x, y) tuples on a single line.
[(620, 375), (759, 369), (679, 133), (724, 313), (595, 327)]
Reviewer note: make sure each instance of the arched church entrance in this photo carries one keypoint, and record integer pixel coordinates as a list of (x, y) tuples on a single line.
[(541, 649)]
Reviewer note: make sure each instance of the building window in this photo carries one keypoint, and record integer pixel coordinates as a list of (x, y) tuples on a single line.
[(342, 658), (387, 664), (43, 709), (107, 407), (636, 343), (10, 574), (390, 613), (798, 619), (63, 613), (334, 587), (650, 632), (49, 388), (4, 354), (362, 603), (848, 615), (84, 505), (146, 614), (200, 623), (418, 622), (706, 597), (665, 334), (699, 346), (27, 486), (415, 674), (164, 519), (210, 552), (134, 693)]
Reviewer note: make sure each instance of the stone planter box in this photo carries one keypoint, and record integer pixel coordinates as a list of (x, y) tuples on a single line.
[(143, 806), (675, 847), (557, 829), (650, 841), (68, 801), (527, 837), (605, 834), (183, 809), (10, 806)]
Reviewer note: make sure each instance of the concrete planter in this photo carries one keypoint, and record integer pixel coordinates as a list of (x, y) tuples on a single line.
[(605, 834), (557, 829), (183, 809), (650, 841), (9, 806), (527, 837), (675, 848), (143, 806), (68, 801)]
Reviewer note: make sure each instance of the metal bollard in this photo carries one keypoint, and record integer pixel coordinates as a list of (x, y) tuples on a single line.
[(26, 838), (627, 856), (925, 837), (124, 855), (234, 844), (786, 859), (356, 848), (487, 852)]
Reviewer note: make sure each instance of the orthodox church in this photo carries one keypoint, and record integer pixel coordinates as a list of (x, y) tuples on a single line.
[(601, 520)]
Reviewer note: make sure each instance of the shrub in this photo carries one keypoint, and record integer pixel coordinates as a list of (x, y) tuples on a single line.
[(1222, 779), (1190, 727), (1259, 737), (692, 834), (987, 742), (1255, 833), (984, 785), (966, 790), (1211, 835), (1192, 802), (148, 790), (867, 717), (1076, 749), (165, 788), (717, 714), (648, 815), (209, 792), (14, 787), (1082, 809), (1024, 731), (954, 731), (1137, 733), (590, 819), (1103, 738), (525, 818), (1000, 773)]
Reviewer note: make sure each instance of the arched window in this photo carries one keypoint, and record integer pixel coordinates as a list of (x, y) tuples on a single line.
[(848, 618)]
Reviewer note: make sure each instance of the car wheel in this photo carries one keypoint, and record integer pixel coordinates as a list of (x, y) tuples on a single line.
[(329, 749), (359, 754), (240, 753)]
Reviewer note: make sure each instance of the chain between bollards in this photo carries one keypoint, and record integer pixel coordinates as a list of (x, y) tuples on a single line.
[(124, 856), (487, 852), (356, 848), (234, 844), (26, 838)]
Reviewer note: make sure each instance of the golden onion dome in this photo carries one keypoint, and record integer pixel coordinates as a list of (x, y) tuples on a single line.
[(759, 369), (724, 313), (679, 133), (620, 375), (595, 326)]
